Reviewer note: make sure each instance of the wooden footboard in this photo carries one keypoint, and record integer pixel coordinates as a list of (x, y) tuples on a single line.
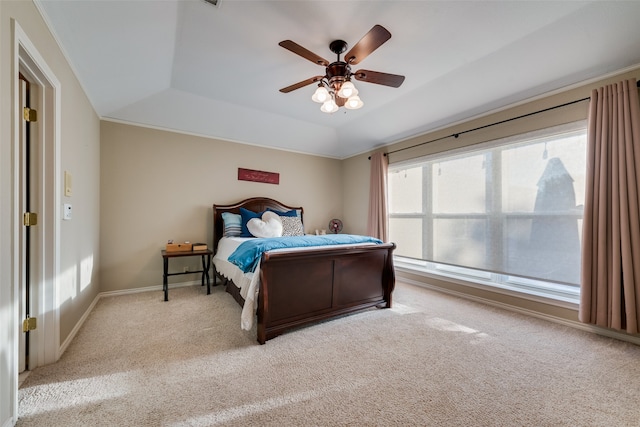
[(299, 288)]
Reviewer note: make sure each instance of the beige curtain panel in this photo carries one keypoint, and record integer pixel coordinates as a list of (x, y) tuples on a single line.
[(377, 224), (610, 293)]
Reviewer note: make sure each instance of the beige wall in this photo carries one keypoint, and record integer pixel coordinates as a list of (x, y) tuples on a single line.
[(78, 153), (159, 185), (356, 172), (356, 169)]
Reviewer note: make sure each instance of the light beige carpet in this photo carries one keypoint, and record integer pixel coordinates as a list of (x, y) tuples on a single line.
[(433, 360)]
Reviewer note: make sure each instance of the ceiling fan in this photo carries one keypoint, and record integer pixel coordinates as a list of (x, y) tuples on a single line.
[(335, 88)]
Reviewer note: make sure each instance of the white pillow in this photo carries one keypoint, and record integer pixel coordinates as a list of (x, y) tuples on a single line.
[(269, 226)]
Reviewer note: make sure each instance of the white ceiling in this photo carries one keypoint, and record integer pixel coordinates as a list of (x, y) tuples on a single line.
[(189, 66)]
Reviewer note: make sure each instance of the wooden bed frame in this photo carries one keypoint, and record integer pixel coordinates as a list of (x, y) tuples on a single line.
[(298, 288)]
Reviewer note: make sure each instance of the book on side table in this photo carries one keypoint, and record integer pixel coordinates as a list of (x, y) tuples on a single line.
[(199, 247)]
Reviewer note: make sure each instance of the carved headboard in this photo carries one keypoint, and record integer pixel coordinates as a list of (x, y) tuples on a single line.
[(255, 204)]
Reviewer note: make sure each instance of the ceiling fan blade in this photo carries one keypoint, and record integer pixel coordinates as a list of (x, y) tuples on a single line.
[(305, 53), (393, 80), (367, 44), (301, 84)]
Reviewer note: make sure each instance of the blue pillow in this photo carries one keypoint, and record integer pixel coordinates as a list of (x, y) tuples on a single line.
[(232, 224), (247, 215), (292, 212)]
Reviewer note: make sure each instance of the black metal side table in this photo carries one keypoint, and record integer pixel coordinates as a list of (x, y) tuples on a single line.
[(206, 264)]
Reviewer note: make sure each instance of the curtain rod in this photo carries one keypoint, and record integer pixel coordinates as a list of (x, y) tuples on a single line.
[(457, 134)]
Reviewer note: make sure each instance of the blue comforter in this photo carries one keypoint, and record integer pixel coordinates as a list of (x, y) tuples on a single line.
[(247, 255)]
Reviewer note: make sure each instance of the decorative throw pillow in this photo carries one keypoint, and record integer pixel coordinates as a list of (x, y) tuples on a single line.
[(269, 225), (232, 224), (292, 226), (292, 212), (247, 215)]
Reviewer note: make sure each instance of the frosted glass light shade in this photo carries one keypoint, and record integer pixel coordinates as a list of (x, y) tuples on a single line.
[(321, 95), (347, 90), (353, 103), (329, 107)]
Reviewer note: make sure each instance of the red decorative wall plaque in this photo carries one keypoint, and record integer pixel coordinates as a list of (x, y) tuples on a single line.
[(258, 176)]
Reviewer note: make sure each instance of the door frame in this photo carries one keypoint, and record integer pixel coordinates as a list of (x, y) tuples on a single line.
[(46, 89)]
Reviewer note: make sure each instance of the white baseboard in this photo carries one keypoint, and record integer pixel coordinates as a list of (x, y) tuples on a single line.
[(76, 328), (148, 289), (571, 323)]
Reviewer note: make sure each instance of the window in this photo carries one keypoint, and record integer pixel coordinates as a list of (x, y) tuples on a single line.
[(506, 212)]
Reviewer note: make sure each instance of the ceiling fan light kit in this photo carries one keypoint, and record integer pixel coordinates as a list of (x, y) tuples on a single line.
[(335, 88)]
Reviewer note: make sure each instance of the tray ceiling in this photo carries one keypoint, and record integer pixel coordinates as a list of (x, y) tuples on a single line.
[(215, 71)]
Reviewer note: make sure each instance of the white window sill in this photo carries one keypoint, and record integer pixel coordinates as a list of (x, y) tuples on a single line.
[(565, 297)]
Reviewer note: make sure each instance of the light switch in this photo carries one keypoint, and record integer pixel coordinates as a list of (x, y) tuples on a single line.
[(66, 212), (67, 184)]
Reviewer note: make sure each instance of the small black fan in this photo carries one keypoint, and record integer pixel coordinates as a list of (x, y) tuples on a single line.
[(335, 225)]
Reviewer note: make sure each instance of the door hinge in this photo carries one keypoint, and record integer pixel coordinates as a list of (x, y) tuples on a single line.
[(29, 114), (29, 219), (29, 324)]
